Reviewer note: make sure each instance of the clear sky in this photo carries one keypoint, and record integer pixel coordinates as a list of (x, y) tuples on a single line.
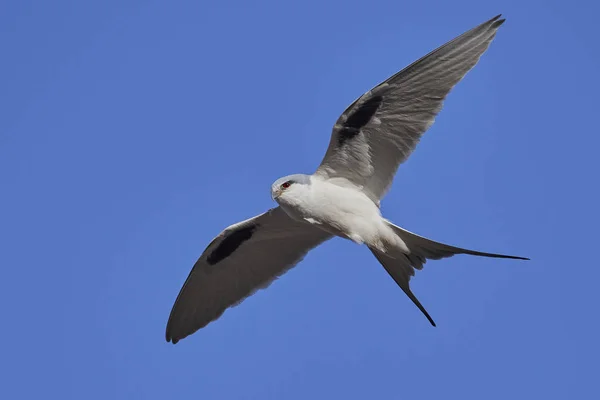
[(133, 132)]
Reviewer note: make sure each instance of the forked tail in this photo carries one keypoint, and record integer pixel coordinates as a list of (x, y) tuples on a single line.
[(402, 268), (425, 248)]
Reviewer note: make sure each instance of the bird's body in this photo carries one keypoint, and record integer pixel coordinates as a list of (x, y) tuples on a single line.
[(371, 138), (340, 209)]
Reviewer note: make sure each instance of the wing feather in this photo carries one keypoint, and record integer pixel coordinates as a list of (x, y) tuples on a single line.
[(242, 259), (381, 129)]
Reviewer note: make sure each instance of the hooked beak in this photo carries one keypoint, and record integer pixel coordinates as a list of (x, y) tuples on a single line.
[(275, 194)]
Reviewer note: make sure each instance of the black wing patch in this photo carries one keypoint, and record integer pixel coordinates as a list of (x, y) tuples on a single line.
[(359, 118), (230, 243)]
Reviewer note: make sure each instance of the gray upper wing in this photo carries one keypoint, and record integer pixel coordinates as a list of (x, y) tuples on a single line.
[(244, 257), (380, 129)]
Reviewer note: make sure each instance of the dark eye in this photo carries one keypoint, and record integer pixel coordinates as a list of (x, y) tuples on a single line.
[(286, 185)]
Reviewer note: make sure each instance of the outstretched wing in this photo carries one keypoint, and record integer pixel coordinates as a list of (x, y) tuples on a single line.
[(244, 257), (380, 129)]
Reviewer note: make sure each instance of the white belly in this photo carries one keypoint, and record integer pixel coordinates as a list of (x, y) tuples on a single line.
[(341, 211)]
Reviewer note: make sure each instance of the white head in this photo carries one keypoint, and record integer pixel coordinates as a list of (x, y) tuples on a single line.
[(289, 188)]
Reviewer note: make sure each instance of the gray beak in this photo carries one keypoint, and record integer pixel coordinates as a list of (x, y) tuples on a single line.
[(275, 194)]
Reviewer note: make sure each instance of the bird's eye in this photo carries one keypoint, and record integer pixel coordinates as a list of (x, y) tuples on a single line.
[(286, 185)]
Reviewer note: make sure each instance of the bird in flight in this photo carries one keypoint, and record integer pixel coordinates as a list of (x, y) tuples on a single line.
[(372, 137)]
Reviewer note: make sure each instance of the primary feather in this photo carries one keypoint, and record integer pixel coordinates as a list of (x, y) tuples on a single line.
[(383, 126)]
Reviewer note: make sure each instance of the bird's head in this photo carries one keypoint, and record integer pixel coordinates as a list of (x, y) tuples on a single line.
[(289, 187)]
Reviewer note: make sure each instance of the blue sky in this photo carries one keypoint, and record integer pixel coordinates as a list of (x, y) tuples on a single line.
[(132, 132)]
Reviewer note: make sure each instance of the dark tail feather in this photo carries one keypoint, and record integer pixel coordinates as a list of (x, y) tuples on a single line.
[(433, 250), (401, 271)]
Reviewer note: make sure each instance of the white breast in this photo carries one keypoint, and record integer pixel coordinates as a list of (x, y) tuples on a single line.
[(341, 210)]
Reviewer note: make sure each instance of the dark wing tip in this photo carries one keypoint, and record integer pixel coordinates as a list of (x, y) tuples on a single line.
[(496, 21), (171, 339), (169, 335), (169, 331)]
